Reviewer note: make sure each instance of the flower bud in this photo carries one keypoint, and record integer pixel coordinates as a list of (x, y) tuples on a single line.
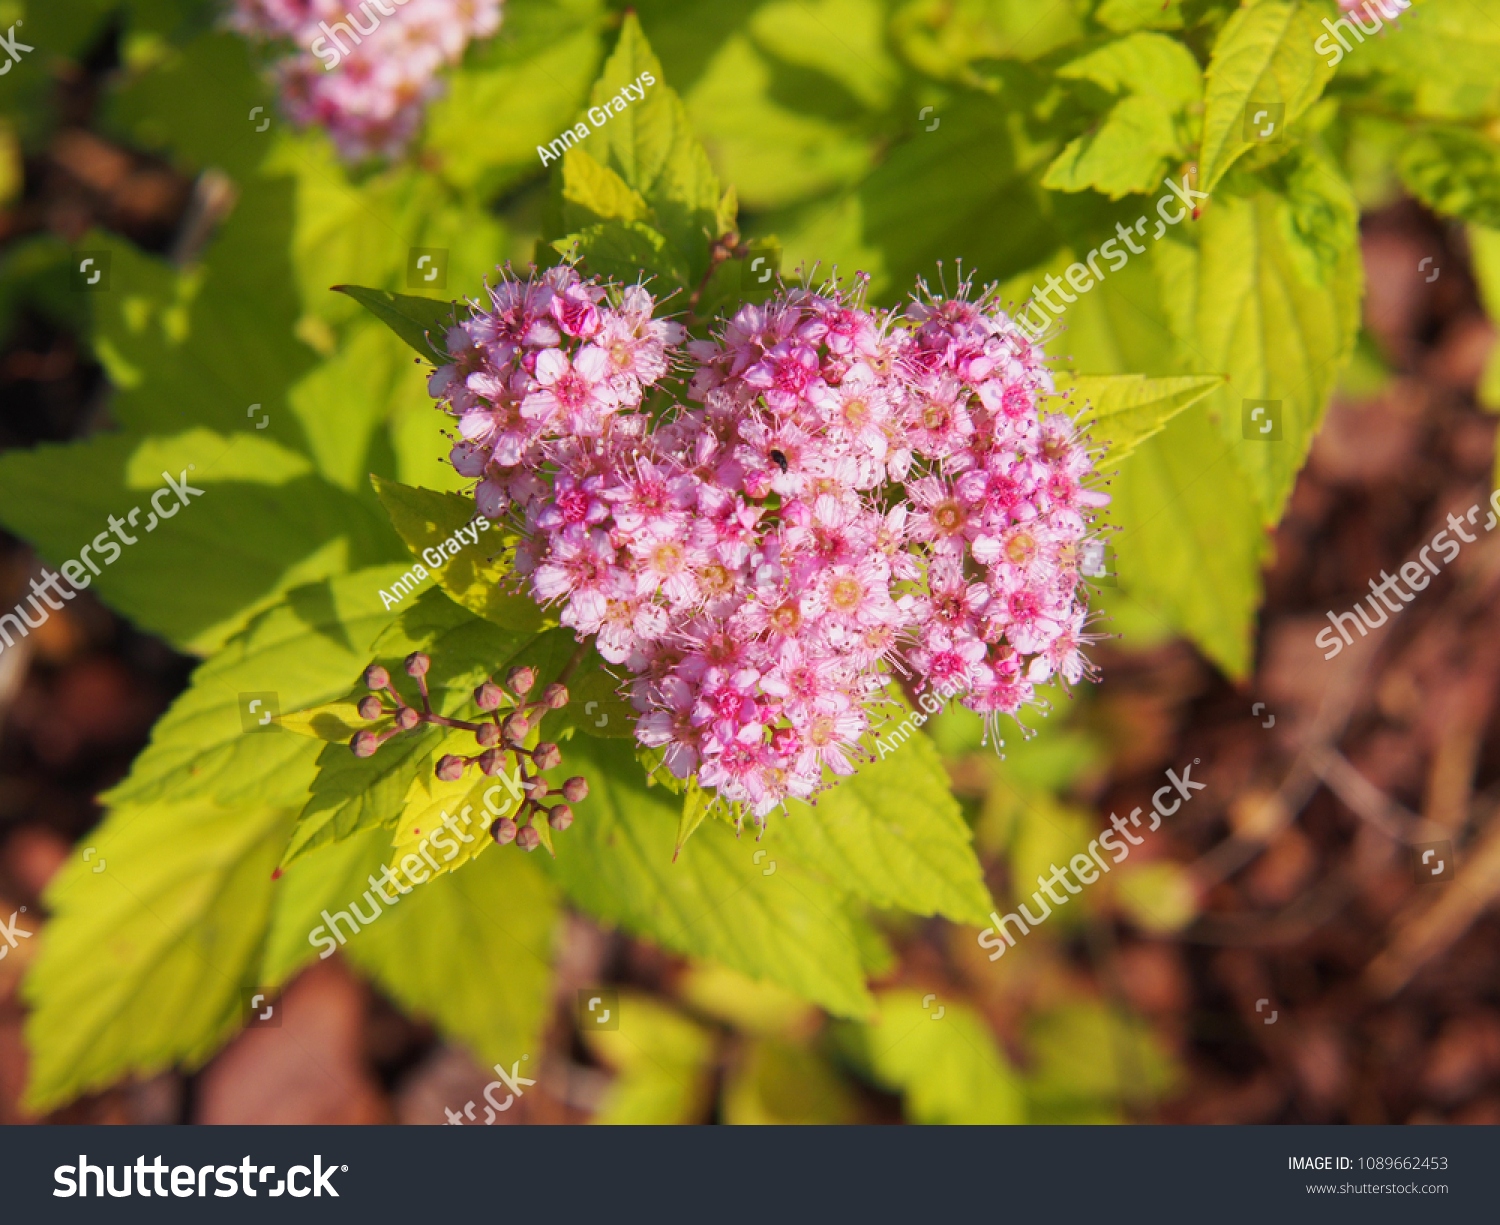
[(370, 707), (407, 718), (575, 789), (528, 839), (450, 768), (546, 756), (516, 727), (377, 677), (489, 696), (487, 735), (555, 696), (503, 830), (364, 743), (537, 788), (521, 680), (417, 664), (491, 762), (560, 817)]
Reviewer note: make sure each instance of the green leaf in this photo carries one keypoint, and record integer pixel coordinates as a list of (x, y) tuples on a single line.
[(151, 961), (778, 1083), (1130, 1068), (716, 901), (935, 198), (352, 794), (1455, 172), (593, 193), (1147, 65), (1122, 16), (892, 833), (216, 71), (1485, 244), (946, 38), (696, 804), (493, 924), (1440, 61), (1190, 539), (418, 321), (662, 1062), (515, 94), (438, 525), (1125, 155), (1146, 131), (305, 651), (429, 799), (1271, 296), (331, 722), (784, 102), (473, 951), (1126, 409), (621, 250), (1263, 56), (328, 879), (650, 147), (948, 1068)]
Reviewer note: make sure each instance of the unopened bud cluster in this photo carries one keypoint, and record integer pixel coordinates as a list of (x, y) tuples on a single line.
[(510, 718)]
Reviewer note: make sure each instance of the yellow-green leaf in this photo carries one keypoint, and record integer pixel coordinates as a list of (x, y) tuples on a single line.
[(892, 833), (468, 549), (661, 1059), (1126, 409), (1263, 57), (724, 898), (942, 1058)]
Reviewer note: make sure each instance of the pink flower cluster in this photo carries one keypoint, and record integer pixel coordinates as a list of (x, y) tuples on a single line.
[(364, 71), (847, 496)]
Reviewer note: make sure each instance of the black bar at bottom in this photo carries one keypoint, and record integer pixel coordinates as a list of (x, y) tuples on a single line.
[(1254, 1175)]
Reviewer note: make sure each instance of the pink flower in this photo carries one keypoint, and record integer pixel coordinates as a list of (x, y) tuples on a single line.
[(858, 496), (572, 397), (367, 85)]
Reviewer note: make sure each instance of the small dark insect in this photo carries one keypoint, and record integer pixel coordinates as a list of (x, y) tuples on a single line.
[(780, 460)]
